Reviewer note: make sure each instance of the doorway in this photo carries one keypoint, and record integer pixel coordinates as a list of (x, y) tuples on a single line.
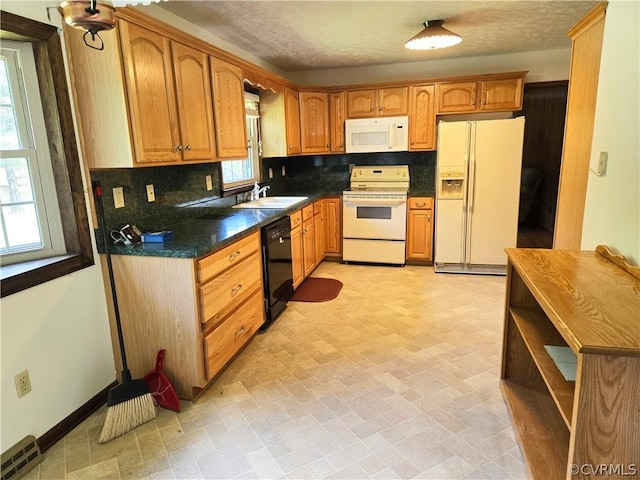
[(544, 108)]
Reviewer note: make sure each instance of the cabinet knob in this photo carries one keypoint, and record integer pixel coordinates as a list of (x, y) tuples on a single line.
[(234, 255), (188, 147), (240, 331), (473, 102), (484, 101), (371, 109), (178, 148), (420, 204), (236, 289), (413, 143), (381, 108)]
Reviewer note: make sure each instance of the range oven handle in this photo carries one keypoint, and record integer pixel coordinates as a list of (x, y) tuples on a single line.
[(375, 201)]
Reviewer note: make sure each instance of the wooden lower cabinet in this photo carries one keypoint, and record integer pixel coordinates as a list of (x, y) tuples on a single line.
[(319, 231), (297, 248), (420, 229), (333, 226), (202, 312), (588, 303), (308, 240)]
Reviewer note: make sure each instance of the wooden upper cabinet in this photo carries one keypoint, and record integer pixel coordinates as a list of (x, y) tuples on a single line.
[(499, 95), (361, 103), (193, 93), (384, 102), (337, 115), (228, 109), (393, 101), (314, 122), (422, 125), (151, 94), (169, 97), (457, 97), (292, 120)]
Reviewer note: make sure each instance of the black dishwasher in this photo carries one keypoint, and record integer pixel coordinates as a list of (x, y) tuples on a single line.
[(276, 265)]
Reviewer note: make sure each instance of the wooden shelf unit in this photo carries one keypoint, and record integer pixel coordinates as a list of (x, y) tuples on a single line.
[(590, 302)]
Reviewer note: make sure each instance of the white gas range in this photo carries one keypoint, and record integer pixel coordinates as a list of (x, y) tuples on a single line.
[(375, 215)]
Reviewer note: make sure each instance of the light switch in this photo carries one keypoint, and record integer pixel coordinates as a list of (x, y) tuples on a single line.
[(270, 172), (209, 183), (602, 163), (284, 171)]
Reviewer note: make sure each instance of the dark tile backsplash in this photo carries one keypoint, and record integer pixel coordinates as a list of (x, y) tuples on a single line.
[(181, 190)]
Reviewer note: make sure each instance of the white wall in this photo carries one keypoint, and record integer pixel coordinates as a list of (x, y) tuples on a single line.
[(59, 331), (542, 66), (612, 209)]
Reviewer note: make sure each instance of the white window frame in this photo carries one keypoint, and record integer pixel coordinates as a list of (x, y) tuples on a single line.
[(254, 146), (34, 145)]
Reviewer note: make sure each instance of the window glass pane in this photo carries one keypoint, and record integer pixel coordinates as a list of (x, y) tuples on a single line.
[(5, 91), (15, 181), (21, 224), (8, 129), (3, 243)]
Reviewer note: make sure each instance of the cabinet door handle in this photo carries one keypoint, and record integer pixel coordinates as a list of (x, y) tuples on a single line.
[(240, 331), (188, 147), (420, 204), (381, 108), (178, 148), (371, 109), (233, 256), (236, 289)]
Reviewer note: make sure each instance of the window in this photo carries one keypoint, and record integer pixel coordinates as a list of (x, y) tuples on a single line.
[(48, 193), (29, 216), (237, 173)]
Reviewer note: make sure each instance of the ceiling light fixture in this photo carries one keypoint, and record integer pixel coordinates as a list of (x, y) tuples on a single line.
[(433, 36), (95, 16)]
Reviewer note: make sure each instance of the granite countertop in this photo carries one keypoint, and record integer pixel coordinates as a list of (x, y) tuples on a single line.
[(209, 231)]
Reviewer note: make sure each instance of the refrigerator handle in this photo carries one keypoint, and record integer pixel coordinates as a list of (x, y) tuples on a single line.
[(471, 189)]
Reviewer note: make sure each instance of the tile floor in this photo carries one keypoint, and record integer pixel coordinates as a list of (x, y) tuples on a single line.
[(396, 378)]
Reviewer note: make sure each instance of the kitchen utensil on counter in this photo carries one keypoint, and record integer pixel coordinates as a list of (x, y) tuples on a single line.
[(129, 404), (160, 387)]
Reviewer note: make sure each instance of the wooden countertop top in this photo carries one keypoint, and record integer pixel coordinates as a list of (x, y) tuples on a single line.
[(592, 301)]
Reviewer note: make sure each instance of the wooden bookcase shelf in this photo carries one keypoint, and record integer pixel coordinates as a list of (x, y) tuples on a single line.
[(589, 302)]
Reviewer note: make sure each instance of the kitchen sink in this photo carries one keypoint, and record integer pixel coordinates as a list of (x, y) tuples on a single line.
[(271, 202)]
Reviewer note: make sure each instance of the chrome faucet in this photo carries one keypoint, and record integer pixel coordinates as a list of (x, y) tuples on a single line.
[(257, 190)]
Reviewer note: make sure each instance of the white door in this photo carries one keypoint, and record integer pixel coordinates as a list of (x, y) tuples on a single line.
[(494, 190), (450, 215)]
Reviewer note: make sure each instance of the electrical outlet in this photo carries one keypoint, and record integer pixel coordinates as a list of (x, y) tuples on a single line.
[(270, 172), (209, 183), (284, 171), (118, 197), (23, 384), (151, 194)]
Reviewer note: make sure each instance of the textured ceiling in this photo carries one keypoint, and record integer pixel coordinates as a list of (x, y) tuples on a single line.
[(311, 35)]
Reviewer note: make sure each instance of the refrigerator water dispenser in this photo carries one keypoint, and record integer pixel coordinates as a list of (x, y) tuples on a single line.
[(452, 182)]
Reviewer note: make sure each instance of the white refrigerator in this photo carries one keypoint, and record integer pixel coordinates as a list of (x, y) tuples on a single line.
[(477, 194)]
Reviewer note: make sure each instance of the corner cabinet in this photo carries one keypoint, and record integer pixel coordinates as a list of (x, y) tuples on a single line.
[(420, 229), (490, 95), (422, 124), (280, 123), (314, 122), (201, 311), (586, 302), (228, 109)]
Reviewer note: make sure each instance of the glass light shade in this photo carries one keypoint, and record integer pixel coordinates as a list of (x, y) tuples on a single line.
[(433, 36)]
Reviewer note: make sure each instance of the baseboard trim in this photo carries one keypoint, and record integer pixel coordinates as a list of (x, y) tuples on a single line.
[(50, 438)]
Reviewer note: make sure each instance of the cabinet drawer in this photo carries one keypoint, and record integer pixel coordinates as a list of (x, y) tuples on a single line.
[(317, 207), (307, 212), (225, 292), (296, 218), (224, 342), (420, 203), (219, 261)]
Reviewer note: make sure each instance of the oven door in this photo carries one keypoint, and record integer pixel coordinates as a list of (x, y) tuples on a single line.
[(374, 217)]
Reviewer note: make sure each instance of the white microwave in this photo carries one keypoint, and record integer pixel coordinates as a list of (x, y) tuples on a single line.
[(383, 134)]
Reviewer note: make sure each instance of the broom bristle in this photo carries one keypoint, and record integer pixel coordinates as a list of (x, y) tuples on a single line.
[(125, 416)]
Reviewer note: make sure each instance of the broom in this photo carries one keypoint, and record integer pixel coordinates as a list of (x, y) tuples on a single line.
[(129, 404)]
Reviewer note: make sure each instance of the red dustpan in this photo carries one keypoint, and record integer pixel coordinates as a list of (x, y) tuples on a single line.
[(160, 387)]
